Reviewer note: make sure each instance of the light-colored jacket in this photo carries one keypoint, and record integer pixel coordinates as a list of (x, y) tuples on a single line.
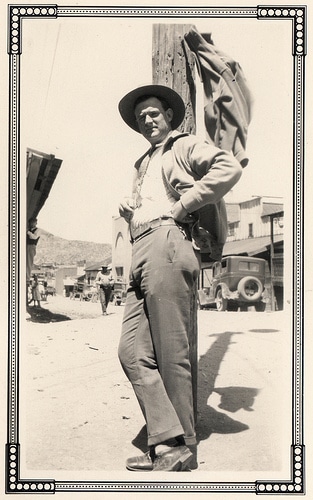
[(200, 175)]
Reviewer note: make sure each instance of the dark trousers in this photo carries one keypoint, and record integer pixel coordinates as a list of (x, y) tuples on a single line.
[(154, 347), (104, 295)]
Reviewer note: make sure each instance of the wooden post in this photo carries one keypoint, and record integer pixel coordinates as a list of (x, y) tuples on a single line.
[(173, 64), (273, 308)]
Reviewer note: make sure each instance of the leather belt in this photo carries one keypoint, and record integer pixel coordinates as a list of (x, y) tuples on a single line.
[(145, 229)]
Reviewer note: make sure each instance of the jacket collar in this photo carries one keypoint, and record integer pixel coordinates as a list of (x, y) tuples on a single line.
[(169, 141)]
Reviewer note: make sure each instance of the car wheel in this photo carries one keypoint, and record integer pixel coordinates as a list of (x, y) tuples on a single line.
[(221, 303), (250, 288), (260, 306)]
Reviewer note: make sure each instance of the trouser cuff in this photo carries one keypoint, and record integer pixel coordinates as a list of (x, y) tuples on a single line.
[(190, 440), (164, 436)]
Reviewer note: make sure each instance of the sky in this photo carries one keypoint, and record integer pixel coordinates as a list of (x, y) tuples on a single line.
[(74, 71)]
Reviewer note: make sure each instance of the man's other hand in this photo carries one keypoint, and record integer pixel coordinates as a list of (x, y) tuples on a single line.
[(126, 208)]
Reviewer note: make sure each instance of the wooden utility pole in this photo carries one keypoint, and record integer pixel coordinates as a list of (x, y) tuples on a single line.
[(173, 64)]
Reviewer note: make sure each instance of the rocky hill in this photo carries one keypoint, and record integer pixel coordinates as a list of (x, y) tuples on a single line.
[(60, 251)]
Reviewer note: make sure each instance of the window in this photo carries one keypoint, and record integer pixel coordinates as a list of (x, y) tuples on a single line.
[(119, 271), (216, 268), (251, 230), (231, 230), (248, 266)]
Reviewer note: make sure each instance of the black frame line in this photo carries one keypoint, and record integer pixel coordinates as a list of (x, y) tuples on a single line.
[(16, 14)]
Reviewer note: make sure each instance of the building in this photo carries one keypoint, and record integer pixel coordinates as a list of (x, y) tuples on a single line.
[(250, 219), (256, 229), (65, 278), (121, 250), (41, 172)]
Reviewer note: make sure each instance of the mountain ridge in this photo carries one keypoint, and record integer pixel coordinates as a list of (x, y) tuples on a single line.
[(60, 251)]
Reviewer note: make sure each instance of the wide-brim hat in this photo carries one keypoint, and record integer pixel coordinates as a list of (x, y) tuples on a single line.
[(175, 102)]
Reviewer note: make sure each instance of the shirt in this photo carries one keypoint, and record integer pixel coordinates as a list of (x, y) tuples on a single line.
[(154, 199), (103, 279)]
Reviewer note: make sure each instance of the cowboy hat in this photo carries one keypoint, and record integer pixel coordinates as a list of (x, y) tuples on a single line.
[(175, 102)]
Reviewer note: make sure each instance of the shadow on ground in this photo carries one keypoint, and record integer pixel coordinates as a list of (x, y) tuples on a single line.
[(263, 330), (210, 420), (42, 315), (233, 398)]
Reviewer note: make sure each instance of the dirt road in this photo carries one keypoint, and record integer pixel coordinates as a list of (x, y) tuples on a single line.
[(79, 412)]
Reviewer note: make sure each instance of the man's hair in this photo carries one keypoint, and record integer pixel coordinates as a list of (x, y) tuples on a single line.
[(165, 104)]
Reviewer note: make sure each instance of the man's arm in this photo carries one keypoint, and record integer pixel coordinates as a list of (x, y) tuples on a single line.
[(33, 235), (215, 172)]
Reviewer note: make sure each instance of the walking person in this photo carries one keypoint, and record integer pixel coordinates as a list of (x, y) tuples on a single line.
[(176, 180), (104, 282)]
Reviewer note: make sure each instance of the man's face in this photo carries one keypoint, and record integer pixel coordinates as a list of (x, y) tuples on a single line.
[(153, 122)]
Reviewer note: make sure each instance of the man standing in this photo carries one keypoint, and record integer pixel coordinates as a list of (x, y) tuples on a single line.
[(104, 282), (173, 181), (32, 240)]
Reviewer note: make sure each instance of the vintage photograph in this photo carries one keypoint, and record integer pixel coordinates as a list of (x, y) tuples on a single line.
[(157, 196)]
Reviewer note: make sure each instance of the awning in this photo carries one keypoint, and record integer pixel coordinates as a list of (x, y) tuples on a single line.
[(69, 282), (250, 246), (272, 209), (42, 170)]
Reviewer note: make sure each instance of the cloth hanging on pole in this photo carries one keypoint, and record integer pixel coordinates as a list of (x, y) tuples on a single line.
[(228, 100)]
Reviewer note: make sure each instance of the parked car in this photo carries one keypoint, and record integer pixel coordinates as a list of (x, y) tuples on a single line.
[(50, 290), (119, 293), (237, 282)]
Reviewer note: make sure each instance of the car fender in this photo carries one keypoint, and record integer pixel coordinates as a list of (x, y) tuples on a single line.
[(227, 293)]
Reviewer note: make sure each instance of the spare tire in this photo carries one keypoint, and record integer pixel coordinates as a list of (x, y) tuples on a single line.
[(250, 288)]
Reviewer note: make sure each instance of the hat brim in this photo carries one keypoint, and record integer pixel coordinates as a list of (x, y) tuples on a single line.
[(175, 102)]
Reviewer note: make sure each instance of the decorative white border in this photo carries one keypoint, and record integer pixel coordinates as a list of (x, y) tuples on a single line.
[(17, 13)]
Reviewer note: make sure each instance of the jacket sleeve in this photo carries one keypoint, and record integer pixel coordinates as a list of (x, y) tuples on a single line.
[(215, 172)]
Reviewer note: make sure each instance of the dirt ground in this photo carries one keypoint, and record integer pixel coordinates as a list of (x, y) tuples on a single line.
[(79, 412)]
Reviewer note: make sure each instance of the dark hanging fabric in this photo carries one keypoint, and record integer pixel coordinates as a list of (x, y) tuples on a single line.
[(228, 101)]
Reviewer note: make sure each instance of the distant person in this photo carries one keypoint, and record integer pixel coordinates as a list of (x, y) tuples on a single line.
[(36, 291), (104, 282), (32, 238)]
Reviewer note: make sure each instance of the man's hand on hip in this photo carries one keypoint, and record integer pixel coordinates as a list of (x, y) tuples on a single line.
[(180, 214)]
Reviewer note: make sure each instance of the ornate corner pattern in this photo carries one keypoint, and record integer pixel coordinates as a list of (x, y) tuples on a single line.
[(16, 14), (16, 485), (298, 17), (295, 486)]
